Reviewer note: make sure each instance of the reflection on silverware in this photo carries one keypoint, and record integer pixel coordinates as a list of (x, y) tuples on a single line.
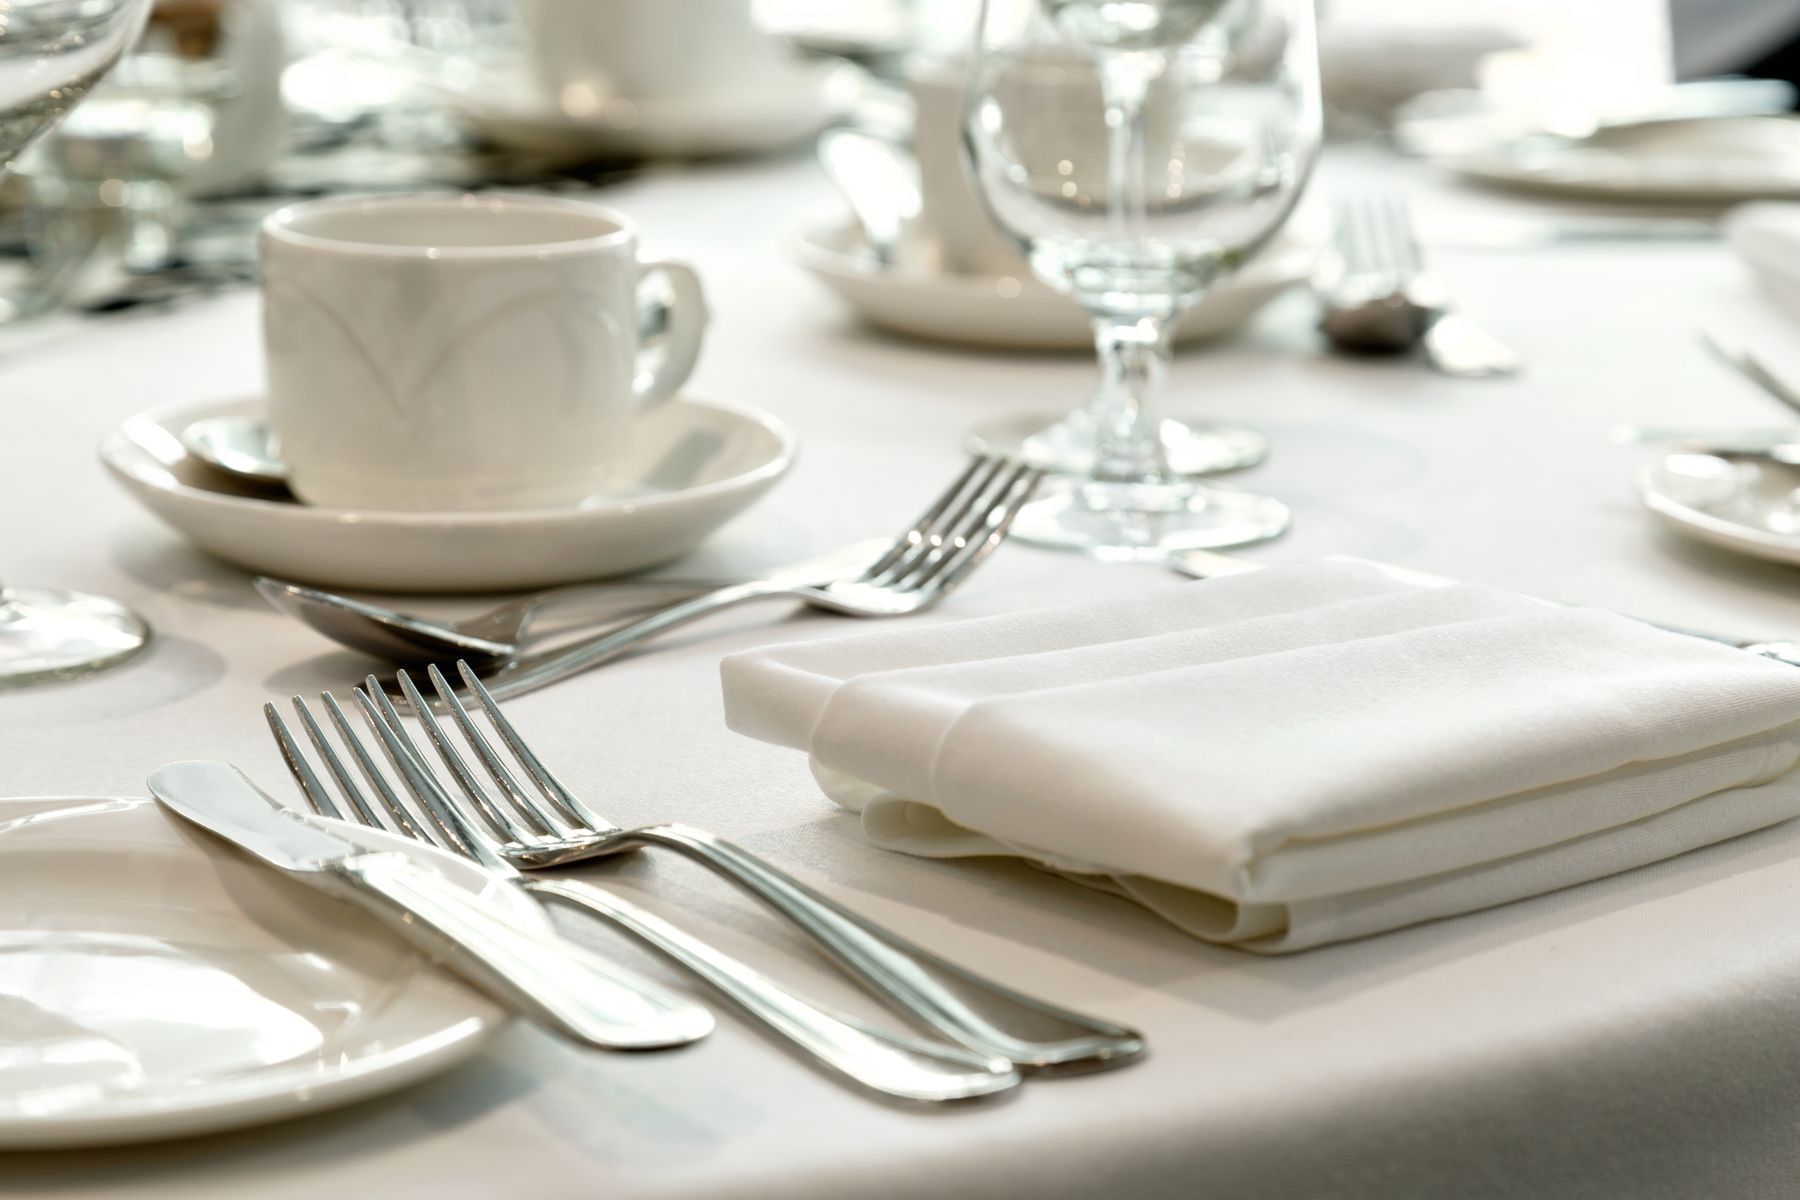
[(492, 637), (568, 988), (493, 827), (921, 566), (881, 184), (1380, 297), (559, 829), (242, 446)]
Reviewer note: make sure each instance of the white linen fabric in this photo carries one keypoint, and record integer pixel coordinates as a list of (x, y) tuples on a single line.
[(1292, 757)]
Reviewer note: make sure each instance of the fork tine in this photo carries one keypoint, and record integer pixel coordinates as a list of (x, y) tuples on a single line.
[(389, 814), (999, 520), (913, 535), (314, 791), (517, 799), (498, 819), (977, 530), (933, 545), (559, 796), (453, 830)]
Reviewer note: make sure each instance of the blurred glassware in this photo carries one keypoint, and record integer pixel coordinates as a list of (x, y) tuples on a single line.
[(52, 53), (1138, 151), (133, 150)]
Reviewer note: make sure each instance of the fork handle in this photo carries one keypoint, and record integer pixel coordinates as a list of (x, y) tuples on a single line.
[(583, 656), (977, 1012), (906, 1068)]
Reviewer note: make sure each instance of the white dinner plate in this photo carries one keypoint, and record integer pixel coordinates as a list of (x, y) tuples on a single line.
[(154, 982), (511, 111), (1736, 504), (1718, 160), (693, 466), (921, 300)]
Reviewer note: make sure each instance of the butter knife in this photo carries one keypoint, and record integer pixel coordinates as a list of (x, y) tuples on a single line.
[(555, 981)]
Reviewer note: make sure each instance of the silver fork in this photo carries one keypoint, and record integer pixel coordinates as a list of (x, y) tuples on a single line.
[(899, 1066), (1385, 299), (923, 565), (979, 1013)]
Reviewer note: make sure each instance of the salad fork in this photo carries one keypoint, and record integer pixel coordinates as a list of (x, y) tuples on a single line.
[(554, 828), (925, 563), (895, 1065)]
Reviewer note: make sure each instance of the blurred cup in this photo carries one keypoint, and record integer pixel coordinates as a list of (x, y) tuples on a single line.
[(446, 351), (585, 52)]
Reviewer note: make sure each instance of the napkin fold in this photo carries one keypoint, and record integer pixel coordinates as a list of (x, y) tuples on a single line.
[(1296, 756)]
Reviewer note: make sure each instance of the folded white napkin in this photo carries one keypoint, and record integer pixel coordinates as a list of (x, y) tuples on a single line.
[(1296, 756)]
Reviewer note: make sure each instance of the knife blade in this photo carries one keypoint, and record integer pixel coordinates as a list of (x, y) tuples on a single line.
[(561, 984)]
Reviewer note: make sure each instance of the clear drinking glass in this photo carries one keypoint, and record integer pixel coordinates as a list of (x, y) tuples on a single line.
[(1139, 151), (52, 52)]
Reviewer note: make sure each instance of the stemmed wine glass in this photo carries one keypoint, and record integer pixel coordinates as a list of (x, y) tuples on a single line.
[(1139, 151), (52, 52)]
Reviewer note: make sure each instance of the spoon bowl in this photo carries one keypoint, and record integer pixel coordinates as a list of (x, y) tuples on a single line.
[(242, 446)]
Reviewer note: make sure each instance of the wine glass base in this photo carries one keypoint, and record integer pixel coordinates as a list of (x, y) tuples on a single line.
[(47, 635), (1145, 522), (1066, 445)]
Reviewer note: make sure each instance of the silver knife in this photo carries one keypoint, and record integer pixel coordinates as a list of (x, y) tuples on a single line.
[(561, 984)]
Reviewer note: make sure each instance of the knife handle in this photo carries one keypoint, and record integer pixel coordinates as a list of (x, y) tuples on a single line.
[(561, 984)]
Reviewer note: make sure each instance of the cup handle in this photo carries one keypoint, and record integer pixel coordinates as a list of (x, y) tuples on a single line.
[(671, 320)]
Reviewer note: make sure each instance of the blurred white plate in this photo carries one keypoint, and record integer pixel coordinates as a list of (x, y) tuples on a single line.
[(511, 111), (693, 466), (1716, 160), (1018, 312), (154, 982), (1742, 505)]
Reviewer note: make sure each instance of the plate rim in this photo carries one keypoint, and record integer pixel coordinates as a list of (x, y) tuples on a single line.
[(1706, 527), (263, 1097)]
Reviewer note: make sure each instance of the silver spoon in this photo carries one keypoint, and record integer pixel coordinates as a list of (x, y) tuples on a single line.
[(242, 447), (499, 635), (880, 181)]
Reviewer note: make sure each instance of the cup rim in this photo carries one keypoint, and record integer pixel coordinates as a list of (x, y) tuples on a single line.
[(278, 227)]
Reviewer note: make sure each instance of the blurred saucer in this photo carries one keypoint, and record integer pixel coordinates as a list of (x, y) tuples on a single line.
[(693, 466), (512, 111), (1745, 505), (1711, 160), (916, 297), (156, 983)]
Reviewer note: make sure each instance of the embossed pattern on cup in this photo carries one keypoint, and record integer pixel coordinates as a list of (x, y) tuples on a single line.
[(456, 352)]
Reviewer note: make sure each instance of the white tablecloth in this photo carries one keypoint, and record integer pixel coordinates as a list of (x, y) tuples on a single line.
[(1636, 1037)]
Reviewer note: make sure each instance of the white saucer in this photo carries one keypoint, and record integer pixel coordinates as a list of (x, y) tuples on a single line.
[(1716, 160), (1736, 504), (1018, 312), (510, 110), (154, 982), (694, 465)]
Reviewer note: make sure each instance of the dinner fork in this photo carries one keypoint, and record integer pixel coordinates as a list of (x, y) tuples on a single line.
[(1384, 298), (925, 563), (554, 828), (896, 1065)]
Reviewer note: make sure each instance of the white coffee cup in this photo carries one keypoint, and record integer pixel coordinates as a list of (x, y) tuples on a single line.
[(441, 352), (950, 208), (584, 52)]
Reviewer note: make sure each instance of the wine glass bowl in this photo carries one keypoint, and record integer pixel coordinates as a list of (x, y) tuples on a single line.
[(1138, 153)]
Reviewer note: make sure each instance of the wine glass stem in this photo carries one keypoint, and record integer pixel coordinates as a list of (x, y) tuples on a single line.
[(1134, 360)]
